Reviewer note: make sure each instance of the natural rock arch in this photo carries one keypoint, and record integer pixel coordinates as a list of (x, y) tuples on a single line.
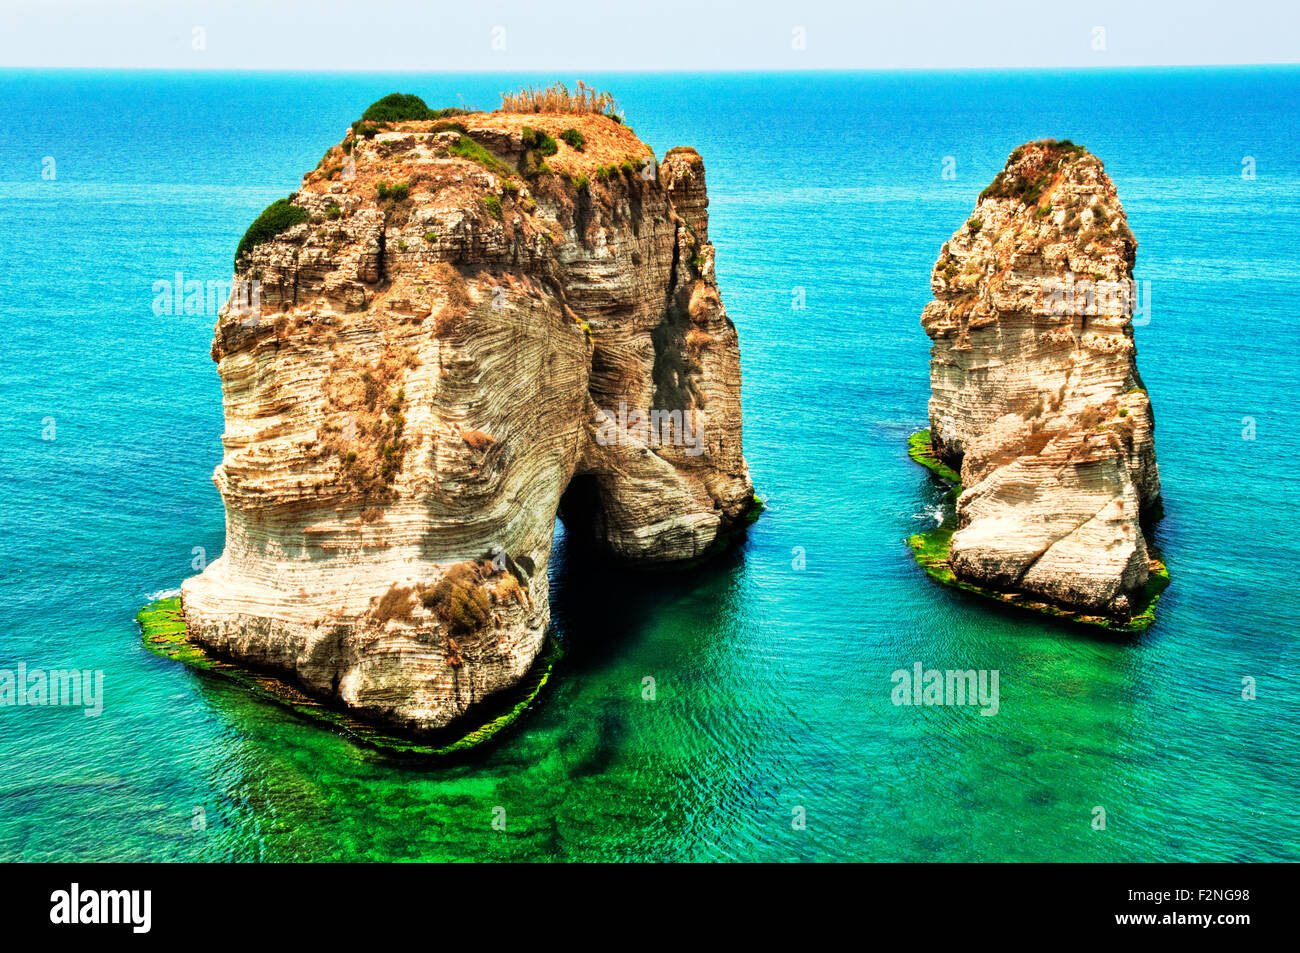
[(456, 336)]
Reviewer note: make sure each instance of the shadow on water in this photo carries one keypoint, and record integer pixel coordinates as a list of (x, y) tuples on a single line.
[(601, 607)]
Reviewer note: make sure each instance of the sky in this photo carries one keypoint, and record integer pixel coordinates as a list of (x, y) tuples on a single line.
[(599, 35)]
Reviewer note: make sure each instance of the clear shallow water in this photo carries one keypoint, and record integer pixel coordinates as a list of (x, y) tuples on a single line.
[(773, 684)]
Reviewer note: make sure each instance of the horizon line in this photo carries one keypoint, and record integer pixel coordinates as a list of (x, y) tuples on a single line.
[(632, 72)]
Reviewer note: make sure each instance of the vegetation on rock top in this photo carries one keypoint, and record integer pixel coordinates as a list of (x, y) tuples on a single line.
[(1028, 184), (538, 141), (406, 107), (277, 217), (556, 98), (574, 138), (466, 148)]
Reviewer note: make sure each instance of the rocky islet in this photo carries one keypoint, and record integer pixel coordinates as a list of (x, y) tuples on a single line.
[(464, 321), (1036, 400)]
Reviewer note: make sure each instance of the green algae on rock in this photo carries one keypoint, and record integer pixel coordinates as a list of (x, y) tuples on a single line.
[(163, 632), (931, 548), (921, 450)]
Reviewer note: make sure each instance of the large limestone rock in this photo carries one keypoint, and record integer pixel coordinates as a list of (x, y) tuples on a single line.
[(431, 369), (1036, 396)]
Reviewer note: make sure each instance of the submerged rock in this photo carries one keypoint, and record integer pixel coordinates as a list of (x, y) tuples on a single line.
[(469, 320), (1036, 397)]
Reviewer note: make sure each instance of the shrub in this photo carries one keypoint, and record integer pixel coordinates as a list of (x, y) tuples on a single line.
[(449, 127), (493, 205), (367, 130), (430, 237), (1064, 145), (1016, 185), (453, 285), (393, 604), (1042, 212), (974, 225), (277, 217), (1090, 418), (539, 142), (395, 193), (403, 107), (333, 211), (466, 148), (371, 397), (574, 138)]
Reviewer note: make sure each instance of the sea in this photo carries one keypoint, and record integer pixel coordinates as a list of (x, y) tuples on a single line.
[(739, 711)]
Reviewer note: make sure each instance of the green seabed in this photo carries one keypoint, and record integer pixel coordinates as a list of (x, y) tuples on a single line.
[(163, 631), (931, 548)]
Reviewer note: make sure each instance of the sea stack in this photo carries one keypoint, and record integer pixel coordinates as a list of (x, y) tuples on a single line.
[(453, 325), (1036, 398)]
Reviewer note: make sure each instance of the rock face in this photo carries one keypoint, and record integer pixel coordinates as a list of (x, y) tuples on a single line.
[(1036, 396), (475, 320)]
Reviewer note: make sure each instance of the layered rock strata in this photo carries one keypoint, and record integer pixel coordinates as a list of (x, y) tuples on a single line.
[(1036, 397), (474, 318)]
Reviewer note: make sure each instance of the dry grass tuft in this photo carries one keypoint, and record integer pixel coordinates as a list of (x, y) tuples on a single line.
[(477, 439), (556, 98), (396, 603), (365, 420), (461, 599), (454, 288)]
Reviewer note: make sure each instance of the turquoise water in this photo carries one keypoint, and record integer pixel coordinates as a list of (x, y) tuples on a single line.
[(772, 683)]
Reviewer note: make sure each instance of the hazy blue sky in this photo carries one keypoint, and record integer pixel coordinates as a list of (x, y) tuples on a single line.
[(566, 37)]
